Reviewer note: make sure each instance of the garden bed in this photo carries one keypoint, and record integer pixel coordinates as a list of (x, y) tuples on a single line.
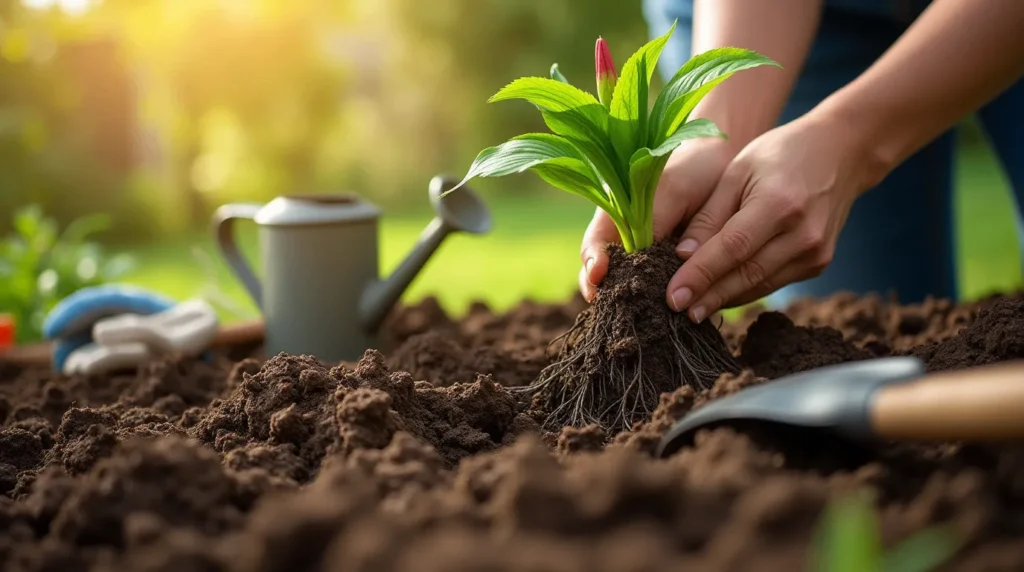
[(410, 460)]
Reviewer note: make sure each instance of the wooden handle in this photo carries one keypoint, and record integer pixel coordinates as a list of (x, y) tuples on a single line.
[(976, 404), (250, 331), (27, 355)]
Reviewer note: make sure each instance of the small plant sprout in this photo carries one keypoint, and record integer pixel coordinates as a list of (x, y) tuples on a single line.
[(612, 149), (849, 540)]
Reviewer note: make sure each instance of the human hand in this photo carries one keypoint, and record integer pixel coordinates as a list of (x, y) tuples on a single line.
[(686, 183), (774, 217)]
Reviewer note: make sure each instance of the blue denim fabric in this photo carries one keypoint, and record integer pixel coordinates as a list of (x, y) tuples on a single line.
[(899, 236)]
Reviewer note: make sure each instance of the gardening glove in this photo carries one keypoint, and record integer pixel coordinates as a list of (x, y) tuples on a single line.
[(70, 322), (127, 340), (690, 176)]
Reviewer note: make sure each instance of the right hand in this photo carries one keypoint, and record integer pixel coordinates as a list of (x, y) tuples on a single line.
[(690, 175)]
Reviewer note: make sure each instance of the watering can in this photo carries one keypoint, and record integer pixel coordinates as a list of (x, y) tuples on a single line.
[(321, 293)]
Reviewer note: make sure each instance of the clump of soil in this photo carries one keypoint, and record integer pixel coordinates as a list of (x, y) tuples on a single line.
[(775, 346), (629, 347), (501, 345), (993, 337)]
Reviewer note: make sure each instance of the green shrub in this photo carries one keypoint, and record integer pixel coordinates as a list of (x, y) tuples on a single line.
[(39, 266)]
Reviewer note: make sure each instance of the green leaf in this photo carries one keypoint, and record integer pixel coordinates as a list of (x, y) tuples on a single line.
[(690, 130), (594, 145), (575, 115), (628, 111), (574, 176), (83, 227), (556, 74), (923, 551), (695, 79), (641, 170), (628, 115), (517, 155), (547, 94), (848, 540)]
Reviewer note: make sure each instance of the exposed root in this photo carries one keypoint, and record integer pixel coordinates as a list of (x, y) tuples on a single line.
[(628, 348)]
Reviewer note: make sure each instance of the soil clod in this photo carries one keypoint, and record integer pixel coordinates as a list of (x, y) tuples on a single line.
[(628, 348)]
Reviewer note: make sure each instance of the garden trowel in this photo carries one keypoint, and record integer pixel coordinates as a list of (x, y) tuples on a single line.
[(873, 401)]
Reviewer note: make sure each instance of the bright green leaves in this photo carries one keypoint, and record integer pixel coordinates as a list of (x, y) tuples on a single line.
[(612, 150), (521, 153), (691, 130), (692, 82), (546, 93), (628, 122), (644, 173), (629, 113)]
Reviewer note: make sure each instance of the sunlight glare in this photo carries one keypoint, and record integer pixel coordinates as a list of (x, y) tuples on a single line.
[(73, 7)]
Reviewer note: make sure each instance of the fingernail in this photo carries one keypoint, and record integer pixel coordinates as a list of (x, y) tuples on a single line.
[(687, 247), (587, 267), (698, 314), (680, 298)]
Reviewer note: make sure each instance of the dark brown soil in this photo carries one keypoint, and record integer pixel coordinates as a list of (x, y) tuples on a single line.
[(628, 348), (419, 459)]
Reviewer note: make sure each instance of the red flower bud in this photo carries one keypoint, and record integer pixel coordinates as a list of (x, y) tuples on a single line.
[(605, 69)]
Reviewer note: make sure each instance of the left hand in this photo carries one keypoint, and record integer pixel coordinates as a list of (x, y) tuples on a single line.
[(773, 218)]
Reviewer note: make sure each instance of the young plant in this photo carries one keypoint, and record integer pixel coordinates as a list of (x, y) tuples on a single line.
[(611, 150), (848, 541)]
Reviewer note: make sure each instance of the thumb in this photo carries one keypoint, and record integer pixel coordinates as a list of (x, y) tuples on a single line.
[(599, 234), (712, 216)]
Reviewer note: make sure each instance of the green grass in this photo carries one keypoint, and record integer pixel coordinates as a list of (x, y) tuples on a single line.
[(533, 251)]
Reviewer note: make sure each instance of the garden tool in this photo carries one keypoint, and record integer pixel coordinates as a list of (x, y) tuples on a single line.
[(131, 339), (871, 401), (321, 293)]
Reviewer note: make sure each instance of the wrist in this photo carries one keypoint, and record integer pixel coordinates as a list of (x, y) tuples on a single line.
[(745, 106), (867, 151)]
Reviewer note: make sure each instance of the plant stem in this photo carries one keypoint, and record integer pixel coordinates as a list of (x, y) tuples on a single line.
[(625, 232)]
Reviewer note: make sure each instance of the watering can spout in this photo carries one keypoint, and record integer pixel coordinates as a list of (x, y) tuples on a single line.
[(462, 210)]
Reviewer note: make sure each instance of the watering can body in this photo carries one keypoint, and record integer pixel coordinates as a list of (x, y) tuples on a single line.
[(320, 291)]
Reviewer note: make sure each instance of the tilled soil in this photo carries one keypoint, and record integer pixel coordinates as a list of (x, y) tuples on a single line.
[(418, 458)]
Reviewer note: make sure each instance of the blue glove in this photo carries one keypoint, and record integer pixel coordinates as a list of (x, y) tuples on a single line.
[(70, 321)]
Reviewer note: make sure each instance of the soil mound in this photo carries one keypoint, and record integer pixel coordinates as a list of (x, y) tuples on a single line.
[(774, 346), (994, 336), (288, 465), (628, 348)]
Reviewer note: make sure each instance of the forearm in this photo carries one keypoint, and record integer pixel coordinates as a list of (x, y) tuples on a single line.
[(958, 55), (749, 103)]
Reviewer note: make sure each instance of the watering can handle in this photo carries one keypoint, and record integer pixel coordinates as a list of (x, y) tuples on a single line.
[(224, 222)]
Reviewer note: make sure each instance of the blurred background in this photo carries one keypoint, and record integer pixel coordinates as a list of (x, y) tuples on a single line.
[(151, 113)]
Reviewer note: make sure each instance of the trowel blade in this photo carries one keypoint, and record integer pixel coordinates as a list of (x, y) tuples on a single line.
[(832, 398)]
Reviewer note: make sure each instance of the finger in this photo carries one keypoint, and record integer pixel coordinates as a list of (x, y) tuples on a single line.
[(809, 265), (706, 222), (599, 234), (741, 237), (586, 288), (760, 272), (794, 272)]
